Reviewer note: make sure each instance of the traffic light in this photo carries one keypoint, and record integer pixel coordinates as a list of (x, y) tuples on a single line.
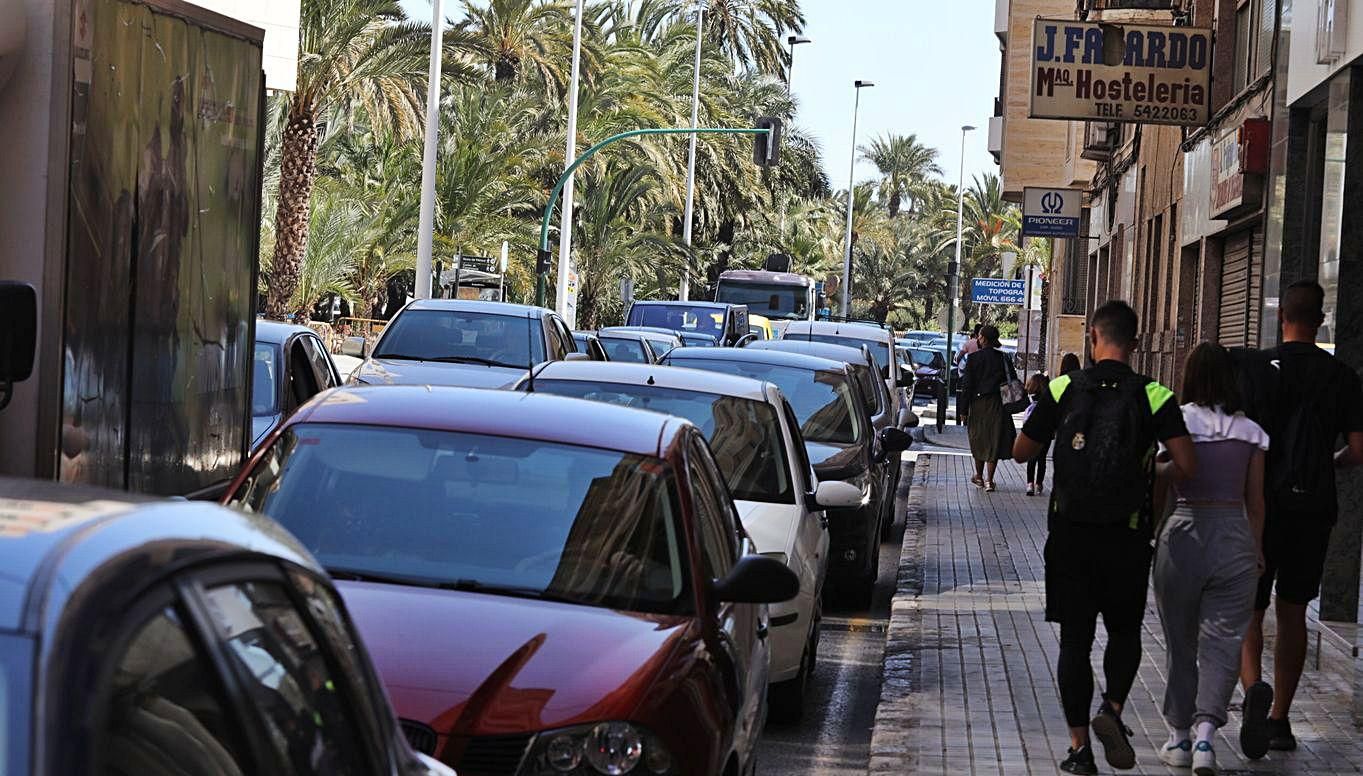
[(544, 261), (767, 146)]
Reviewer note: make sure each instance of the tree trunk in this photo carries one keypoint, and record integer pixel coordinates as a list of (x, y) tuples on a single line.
[(1045, 310), (896, 201), (298, 171)]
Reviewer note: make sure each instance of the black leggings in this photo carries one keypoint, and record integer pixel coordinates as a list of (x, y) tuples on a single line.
[(1036, 468), (1121, 661)]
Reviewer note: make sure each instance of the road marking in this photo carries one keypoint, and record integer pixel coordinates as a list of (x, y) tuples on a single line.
[(855, 624), (829, 751)]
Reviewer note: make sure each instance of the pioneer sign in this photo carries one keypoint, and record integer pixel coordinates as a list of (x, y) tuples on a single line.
[(1051, 212), (1121, 72)]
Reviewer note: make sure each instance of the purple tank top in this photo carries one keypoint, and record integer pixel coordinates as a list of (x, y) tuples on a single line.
[(1222, 467)]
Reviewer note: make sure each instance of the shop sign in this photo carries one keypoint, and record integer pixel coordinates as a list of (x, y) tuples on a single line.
[(1239, 161), (998, 291), (1146, 74), (1051, 212)]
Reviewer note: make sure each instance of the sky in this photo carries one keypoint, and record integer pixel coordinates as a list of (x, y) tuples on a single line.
[(935, 65)]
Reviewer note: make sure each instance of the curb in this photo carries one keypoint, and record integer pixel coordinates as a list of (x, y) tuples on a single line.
[(896, 713)]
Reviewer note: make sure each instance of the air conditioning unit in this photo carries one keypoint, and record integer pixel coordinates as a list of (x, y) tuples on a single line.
[(1100, 141)]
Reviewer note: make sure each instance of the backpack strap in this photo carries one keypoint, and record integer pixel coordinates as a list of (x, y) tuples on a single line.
[(1158, 396), (1058, 387)]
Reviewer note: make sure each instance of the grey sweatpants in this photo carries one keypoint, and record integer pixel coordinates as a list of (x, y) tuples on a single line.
[(1206, 573)]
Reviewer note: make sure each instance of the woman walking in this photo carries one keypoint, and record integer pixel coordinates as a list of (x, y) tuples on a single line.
[(1208, 560), (988, 426), (1036, 468), (1069, 363)]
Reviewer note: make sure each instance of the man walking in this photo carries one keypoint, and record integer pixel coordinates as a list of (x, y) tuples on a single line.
[(1306, 400), (1106, 421)]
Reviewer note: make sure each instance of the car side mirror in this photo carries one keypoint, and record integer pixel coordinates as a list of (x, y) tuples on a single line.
[(905, 378), (355, 347), (745, 339), (18, 335), (577, 357), (893, 440), (837, 494), (757, 579)]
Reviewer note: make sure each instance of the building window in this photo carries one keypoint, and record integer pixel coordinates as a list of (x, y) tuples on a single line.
[(1255, 23), (1243, 44)]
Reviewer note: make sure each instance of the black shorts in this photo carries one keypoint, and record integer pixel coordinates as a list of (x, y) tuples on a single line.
[(1294, 555), (1092, 570)]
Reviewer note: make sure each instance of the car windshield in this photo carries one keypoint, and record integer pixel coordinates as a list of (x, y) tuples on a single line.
[(823, 400), (923, 357), (679, 318), (624, 349), (880, 349), (265, 380), (773, 300), (463, 336), (744, 434), (482, 513)]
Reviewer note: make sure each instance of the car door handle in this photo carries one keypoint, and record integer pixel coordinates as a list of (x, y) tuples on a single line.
[(762, 631)]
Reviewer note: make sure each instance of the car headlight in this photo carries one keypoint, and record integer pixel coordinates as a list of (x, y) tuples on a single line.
[(603, 748)]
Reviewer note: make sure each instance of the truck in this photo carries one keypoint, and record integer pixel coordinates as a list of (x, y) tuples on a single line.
[(131, 153), (781, 297)]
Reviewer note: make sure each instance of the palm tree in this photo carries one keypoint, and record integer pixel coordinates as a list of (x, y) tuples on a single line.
[(750, 33), (880, 281), (520, 39), (361, 54), (905, 166)]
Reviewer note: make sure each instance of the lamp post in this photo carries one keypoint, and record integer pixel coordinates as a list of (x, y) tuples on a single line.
[(793, 41), (953, 272), (684, 289), (426, 222), (565, 229), (846, 306)]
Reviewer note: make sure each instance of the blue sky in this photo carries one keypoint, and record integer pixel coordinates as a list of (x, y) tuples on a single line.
[(935, 65)]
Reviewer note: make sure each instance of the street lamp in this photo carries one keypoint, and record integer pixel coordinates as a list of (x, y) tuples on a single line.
[(426, 223), (565, 229), (851, 200), (953, 271), (793, 41), (684, 290)]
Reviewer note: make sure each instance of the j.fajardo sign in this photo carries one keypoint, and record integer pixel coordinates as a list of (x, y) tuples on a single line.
[(1121, 72)]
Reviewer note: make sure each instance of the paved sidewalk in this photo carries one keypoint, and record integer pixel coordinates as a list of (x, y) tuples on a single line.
[(969, 684)]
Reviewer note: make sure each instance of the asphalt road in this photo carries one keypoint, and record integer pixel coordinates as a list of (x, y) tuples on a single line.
[(834, 737)]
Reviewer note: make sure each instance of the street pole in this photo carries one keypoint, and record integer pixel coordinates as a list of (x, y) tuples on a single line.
[(793, 41), (846, 305), (565, 229), (953, 272), (426, 224), (684, 290)]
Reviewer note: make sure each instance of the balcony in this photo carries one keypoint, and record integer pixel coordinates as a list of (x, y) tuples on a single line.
[(1001, 20), (1100, 141), (996, 138)]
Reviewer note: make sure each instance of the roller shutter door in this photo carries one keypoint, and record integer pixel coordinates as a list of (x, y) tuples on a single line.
[(1238, 322)]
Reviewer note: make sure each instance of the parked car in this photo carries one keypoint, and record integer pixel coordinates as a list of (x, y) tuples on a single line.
[(929, 372), (143, 638), (548, 585), (915, 338), (465, 342), (635, 347), (881, 342), (756, 442), (727, 323), (877, 402), (589, 343), (660, 340), (290, 366), (829, 407), (760, 326)]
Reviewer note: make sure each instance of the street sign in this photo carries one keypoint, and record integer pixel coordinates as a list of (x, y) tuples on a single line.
[(998, 291), (1051, 212), (479, 263), (1149, 74)]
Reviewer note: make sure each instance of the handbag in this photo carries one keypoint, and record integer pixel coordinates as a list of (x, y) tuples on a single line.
[(1013, 393)]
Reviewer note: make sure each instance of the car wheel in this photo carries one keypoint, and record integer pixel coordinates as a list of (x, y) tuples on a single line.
[(786, 700)]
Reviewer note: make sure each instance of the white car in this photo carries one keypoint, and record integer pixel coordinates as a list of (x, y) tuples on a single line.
[(757, 443), (881, 342)]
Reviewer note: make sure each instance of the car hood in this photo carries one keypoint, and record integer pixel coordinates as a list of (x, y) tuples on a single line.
[(382, 371), (471, 664), (835, 462), (771, 526)]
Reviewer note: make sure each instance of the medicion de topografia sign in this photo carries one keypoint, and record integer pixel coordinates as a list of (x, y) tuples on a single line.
[(1148, 74)]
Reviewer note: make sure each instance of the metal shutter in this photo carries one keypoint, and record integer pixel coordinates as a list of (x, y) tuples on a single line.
[(1238, 322)]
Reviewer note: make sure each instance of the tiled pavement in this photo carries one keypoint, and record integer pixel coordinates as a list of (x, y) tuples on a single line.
[(969, 684)]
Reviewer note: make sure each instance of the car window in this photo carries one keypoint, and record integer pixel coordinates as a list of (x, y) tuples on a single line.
[(165, 710), (880, 350), (661, 345), (565, 336), (624, 349), (802, 465), (287, 679), (683, 318), (265, 380), (302, 379), (866, 382), (497, 514), (743, 433), (713, 521), (773, 300), (463, 335), (321, 362)]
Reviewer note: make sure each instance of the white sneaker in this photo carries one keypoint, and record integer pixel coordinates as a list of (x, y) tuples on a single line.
[(1178, 755), (1204, 759)]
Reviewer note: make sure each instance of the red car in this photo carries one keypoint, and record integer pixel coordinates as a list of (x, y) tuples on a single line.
[(546, 585)]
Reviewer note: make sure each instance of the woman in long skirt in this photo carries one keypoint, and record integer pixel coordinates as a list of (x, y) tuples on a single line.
[(988, 426)]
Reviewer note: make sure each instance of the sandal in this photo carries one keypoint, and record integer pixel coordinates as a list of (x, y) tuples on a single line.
[(977, 481), (989, 487)]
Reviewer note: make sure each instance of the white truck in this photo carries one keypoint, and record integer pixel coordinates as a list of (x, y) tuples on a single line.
[(781, 297)]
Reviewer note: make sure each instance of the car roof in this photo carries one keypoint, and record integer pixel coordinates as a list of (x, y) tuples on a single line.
[(584, 334), (478, 305), (639, 330), (754, 356), (826, 350), (676, 377), (277, 332), (764, 276), (54, 535), (864, 331), (688, 303), (494, 413)]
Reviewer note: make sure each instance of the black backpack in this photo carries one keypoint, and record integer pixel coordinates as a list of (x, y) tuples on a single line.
[(1301, 470), (1104, 452)]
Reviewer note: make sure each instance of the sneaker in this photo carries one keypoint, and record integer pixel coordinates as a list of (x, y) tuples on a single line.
[(989, 487), (1280, 738), (1204, 759), (1080, 761), (1178, 755), (1115, 738), (1254, 729), (1031, 490)]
